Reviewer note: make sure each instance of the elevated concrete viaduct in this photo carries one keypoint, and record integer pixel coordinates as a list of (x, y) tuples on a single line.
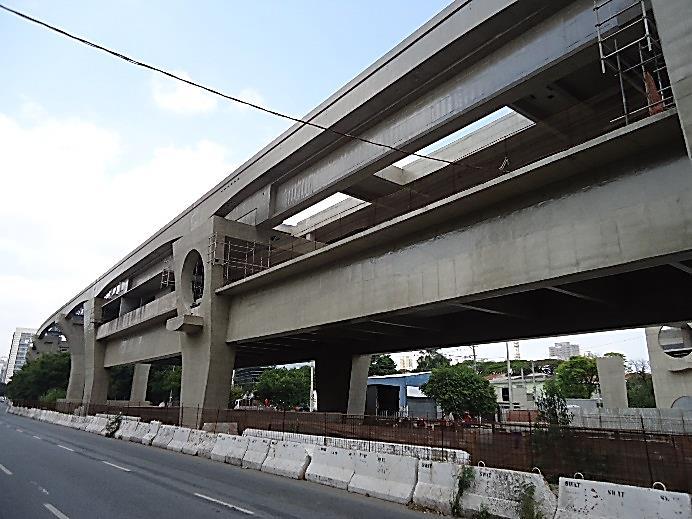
[(570, 213)]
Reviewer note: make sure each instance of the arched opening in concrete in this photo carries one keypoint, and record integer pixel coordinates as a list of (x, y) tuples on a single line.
[(192, 279), (684, 402), (676, 341)]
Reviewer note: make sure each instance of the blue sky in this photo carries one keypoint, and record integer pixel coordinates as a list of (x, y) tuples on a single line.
[(93, 151)]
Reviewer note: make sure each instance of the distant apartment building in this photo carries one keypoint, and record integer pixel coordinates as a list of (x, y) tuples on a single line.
[(563, 350), (21, 342), (406, 363), (3, 368)]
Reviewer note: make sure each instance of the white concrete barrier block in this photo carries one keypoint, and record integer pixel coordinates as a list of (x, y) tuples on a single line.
[(256, 453), (88, 420), (78, 422), (126, 427), (437, 485), (193, 440), (206, 445), (180, 438), (164, 436), (331, 466), (139, 432), (98, 426), (130, 430), (500, 491), (386, 476), (154, 427), (285, 436), (229, 449), (580, 498), (288, 459)]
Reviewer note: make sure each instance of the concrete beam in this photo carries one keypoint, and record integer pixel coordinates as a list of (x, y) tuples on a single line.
[(501, 78), (617, 212)]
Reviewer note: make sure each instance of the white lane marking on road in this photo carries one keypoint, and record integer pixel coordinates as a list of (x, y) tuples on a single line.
[(20, 430), (5, 470), (228, 505), (116, 466), (66, 448), (37, 437), (57, 513)]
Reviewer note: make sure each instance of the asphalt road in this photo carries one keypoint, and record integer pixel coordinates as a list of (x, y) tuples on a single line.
[(49, 471)]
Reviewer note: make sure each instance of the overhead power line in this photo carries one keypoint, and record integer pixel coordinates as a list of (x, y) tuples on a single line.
[(221, 94)]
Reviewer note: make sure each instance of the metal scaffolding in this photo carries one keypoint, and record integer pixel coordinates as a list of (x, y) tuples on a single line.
[(632, 51)]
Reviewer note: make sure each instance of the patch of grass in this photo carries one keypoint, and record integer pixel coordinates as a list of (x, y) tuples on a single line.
[(527, 503), (464, 481)]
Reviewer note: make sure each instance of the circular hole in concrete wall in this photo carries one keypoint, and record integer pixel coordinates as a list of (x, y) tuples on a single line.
[(684, 402), (676, 341), (192, 279)]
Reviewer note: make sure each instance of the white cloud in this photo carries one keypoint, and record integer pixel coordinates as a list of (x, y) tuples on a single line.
[(70, 208), (178, 97)]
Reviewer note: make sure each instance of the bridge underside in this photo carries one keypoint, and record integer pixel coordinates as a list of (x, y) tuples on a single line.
[(638, 298)]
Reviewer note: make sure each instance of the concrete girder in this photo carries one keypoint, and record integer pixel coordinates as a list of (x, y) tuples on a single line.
[(461, 29), (629, 208), (538, 56)]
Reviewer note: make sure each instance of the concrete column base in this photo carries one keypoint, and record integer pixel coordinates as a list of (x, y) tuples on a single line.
[(96, 376)]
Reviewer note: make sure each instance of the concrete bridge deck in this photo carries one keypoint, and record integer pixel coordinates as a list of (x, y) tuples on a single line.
[(565, 215)]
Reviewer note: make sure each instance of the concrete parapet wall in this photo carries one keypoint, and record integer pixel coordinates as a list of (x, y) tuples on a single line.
[(386, 476), (192, 444), (437, 485), (151, 434), (580, 498), (500, 492), (139, 432), (288, 459), (164, 436), (181, 435), (331, 466), (206, 445), (229, 449), (256, 453)]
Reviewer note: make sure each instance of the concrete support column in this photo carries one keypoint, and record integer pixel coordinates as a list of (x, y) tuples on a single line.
[(611, 377), (341, 382), (140, 381), (674, 23), (74, 333), (95, 375)]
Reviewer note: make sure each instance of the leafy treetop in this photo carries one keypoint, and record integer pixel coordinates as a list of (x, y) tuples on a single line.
[(382, 365), (459, 389)]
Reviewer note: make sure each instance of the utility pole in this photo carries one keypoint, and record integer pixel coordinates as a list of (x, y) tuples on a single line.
[(312, 405), (509, 379)]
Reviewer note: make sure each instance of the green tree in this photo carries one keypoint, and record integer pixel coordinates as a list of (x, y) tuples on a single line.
[(551, 405), (53, 395), (640, 386), (38, 376), (577, 377), (164, 381), (458, 389), (382, 365), (431, 359), (236, 393), (285, 388), (120, 382)]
